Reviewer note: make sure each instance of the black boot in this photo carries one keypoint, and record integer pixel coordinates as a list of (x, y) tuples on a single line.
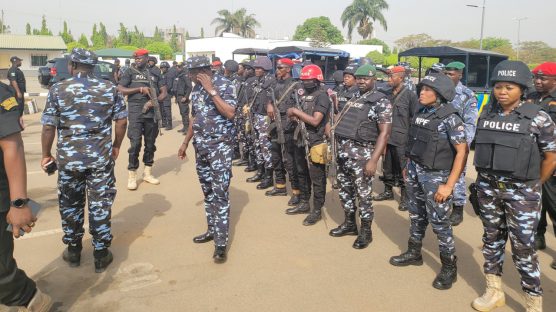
[(237, 154), (349, 227), (540, 242), (294, 200), (386, 195), (403, 199), (448, 273), (267, 180), (203, 238), (365, 236), (302, 207), (103, 258), (277, 191), (72, 254), (220, 254), (258, 176), (244, 161), (411, 257), (457, 215), (183, 129), (313, 217), (252, 164)]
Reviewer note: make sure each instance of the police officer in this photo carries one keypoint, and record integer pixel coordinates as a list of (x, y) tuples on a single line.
[(16, 289), (362, 129), (182, 87), (17, 81), (261, 97), (230, 72), (282, 155), (310, 154), (82, 109), (515, 152), (135, 83), (437, 152), (246, 96), (466, 104), (166, 104), (408, 82), (244, 72), (349, 88), (545, 96), (405, 105), (212, 131)]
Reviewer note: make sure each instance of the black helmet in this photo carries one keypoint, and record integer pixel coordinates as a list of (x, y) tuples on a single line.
[(231, 65), (351, 69), (164, 64), (512, 71), (153, 59), (80, 55), (263, 62), (439, 83), (198, 62), (338, 76)]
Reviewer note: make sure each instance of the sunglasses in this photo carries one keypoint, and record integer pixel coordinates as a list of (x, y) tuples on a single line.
[(281, 67)]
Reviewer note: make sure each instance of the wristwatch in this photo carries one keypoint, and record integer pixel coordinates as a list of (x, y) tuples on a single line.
[(213, 92), (19, 203)]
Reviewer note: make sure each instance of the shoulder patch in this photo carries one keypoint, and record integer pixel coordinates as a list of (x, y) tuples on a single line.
[(9, 103), (300, 92)]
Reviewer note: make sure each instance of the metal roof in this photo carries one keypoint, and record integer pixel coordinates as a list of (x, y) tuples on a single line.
[(251, 51), (290, 51), (446, 51), (114, 52), (26, 42)]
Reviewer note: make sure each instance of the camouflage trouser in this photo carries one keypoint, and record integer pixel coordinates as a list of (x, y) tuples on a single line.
[(353, 181), (97, 186), (239, 124), (460, 189), (515, 212), (548, 205), (262, 141), (421, 187), (166, 111), (214, 168)]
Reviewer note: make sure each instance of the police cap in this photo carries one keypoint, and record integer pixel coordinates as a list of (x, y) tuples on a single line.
[(198, 62), (80, 55), (512, 71), (338, 76), (14, 59), (455, 66), (351, 69), (439, 83)]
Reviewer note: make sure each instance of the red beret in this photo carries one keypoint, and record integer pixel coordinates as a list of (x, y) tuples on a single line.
[(397, 69), (547, 69), (286, 61), (141, 52), (216, 63)]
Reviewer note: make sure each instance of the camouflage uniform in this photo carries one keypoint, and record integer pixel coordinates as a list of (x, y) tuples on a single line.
[(352, 158), (261, 123), (248, 137), (213, 139), (510, 206), (422, 184), (82, 109), (466, 103)]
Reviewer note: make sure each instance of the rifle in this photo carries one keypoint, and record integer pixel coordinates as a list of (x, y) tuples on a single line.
[(154, 102), (333, 166), (303, 132), (249, 121)]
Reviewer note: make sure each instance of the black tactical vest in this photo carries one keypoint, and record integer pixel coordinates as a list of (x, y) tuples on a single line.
[(426, 145), (504, 145), (400, 120), (355, 123)]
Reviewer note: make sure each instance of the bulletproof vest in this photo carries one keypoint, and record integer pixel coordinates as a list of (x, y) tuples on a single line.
[(504, 145), (426, 145), (316, 134), (345, 95), (279, 93), (400, 120), (355, 123), (263, 87)]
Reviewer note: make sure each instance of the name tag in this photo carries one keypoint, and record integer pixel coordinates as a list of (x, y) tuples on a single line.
[(309, 98), (357, 105), (497, 125)]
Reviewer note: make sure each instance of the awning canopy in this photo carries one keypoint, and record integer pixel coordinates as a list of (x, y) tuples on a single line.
[(114, 52)]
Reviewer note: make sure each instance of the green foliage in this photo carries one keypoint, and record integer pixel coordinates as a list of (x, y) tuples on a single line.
[(536, 52), (128, 47), (413, 41), (66, 34), (174, 39), (163, 49), (202, 32), (158, 36), (376, 57), (44, 28), (361, 15), (75, 44), (319, 28), (83, 40), (238, 22), (376, 41), (187, 35), (28, 30)]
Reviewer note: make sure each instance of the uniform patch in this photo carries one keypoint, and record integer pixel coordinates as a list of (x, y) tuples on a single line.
[(552, 103), (300, 92), (12, 74), (461, 128), (9, 103)]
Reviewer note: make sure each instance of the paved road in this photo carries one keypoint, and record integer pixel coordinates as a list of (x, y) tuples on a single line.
[(275, 263)]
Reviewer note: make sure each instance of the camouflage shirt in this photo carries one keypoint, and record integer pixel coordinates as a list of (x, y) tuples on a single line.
[(210, 125), (381, 112), (82, 109), (466, 103)]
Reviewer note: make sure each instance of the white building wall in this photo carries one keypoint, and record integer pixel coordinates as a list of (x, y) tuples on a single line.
[(25, 55)]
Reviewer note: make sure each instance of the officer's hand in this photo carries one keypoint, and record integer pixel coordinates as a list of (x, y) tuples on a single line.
[(404, 174), (205, 81), (183, 99), (115, 152), (370, 168), (20, 218), (443, 193), (21, 123), (270, 111), (182, 152), (46, 160), (291, 112), (19, 95)]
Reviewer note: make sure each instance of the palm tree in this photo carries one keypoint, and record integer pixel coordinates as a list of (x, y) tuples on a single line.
[(238, 22), (361, 14)]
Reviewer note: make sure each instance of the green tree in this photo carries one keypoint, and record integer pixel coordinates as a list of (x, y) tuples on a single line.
[(202, 32), (238, 22), (174, 39), (137, 38), (316, 27), (377, 57), (361, 15), (83, 40), (536, 52), (319, 39), (158, 36), (187, 35), (44, 28), (75, 44), (246, 23), (163, 49), (97, 39), (66, 34), (123, 36), (413, 41), (28, 30), (375, 41)]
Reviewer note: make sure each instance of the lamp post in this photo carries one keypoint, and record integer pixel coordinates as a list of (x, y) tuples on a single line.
[(482, 20), (519, 19)]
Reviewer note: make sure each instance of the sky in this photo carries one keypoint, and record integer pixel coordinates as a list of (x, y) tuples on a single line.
[(442, 19)]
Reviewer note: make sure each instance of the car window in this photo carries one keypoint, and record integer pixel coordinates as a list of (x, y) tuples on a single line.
[(103, 68)]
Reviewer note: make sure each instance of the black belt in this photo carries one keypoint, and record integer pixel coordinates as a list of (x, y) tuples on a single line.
[(502, 185)]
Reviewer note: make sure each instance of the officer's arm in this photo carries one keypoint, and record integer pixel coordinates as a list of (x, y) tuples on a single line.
[(548, 166), (459, 164), (16, 88), (227, 110), (314, 120), (14, 163), (47, 138), (120, 129), (163, 93), (385, 130)]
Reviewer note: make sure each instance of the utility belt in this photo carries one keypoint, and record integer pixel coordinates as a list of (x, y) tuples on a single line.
[(500, 185), (357, 143)]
